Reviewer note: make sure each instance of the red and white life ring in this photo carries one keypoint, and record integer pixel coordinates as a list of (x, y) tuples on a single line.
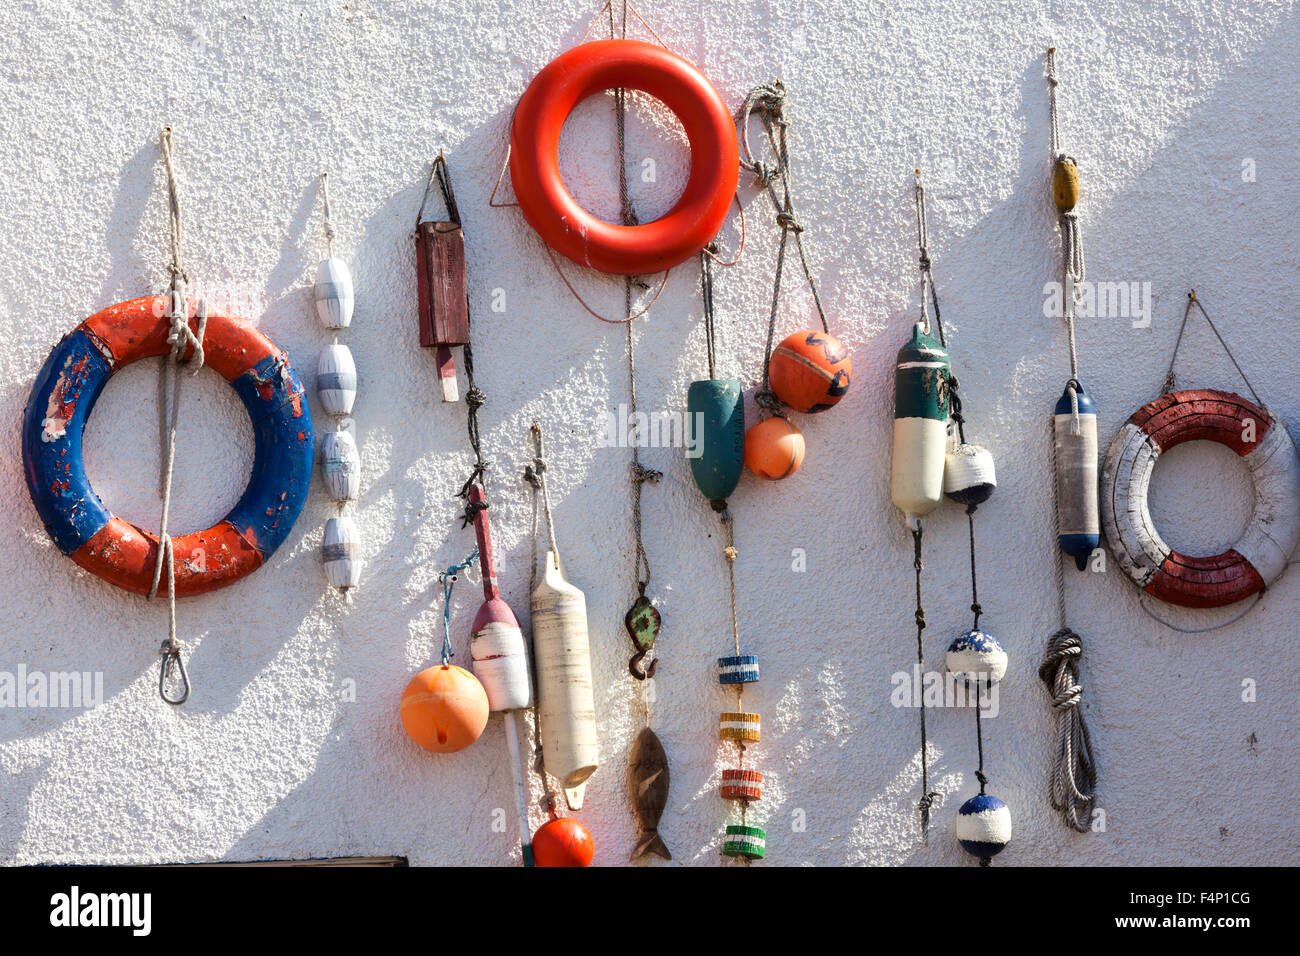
[(535, 163), (1260, 555)]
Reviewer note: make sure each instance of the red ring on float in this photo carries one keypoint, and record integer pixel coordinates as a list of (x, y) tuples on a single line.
[(1259, 556), (535, 162)]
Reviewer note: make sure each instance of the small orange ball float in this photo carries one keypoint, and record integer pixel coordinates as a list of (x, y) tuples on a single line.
[(563, 842), (444, 708), (773, 449), (810, 371)]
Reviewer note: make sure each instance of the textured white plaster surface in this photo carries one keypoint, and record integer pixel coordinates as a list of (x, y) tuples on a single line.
[(1163, 103)]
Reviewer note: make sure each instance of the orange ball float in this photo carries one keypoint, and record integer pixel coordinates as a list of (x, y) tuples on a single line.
[(773, 449), (810, 371), (444, 708), (563, 842)]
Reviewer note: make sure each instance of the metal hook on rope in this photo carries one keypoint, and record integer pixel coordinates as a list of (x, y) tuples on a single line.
[(170, 652)]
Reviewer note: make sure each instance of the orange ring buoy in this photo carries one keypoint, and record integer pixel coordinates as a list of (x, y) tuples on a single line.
[(535, 164)]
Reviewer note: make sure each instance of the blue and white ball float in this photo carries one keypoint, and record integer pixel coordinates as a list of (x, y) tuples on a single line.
[(969, 476), (977, 657), (983, 826)]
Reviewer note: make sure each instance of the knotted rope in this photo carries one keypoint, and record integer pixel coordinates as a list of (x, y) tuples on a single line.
[(928, 796), (182, 340), (1074, 773), (768, 104)]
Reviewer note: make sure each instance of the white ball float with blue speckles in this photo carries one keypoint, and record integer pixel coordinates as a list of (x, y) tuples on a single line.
[(977, 656), (983, 826)]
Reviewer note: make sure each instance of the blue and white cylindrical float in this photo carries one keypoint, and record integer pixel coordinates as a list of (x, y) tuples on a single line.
[(983, 826), (969, 476), (977, 657), (738, 669), (921, 405), (342, 552), (1074, 426)]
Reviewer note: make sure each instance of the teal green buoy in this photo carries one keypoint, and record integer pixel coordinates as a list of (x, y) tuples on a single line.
[(921, 406), (715, 431)]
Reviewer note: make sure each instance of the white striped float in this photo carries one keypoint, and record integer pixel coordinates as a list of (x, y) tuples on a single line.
[(336, 379), (1260, 555), (983, 826), (742, 785), (738, 669), (739, 726), (750, 842), (342, 553), (333, 294)]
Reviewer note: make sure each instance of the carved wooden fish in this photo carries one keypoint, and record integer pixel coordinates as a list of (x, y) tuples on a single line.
[(647, 784)]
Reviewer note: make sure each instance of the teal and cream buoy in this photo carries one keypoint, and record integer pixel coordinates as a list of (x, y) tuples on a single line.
[(1074, 427), (715, 411), (920, 425)]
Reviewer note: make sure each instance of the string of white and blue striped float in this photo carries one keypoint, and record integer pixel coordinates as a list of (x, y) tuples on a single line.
[(717, 471), (1072, 788), (336, 387), (976, 658)]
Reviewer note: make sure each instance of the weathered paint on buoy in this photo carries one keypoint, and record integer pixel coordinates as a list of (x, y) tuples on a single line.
[(336, 379), (745, 841), (334, 293), (444, 709), (716, 417), (969, 476), (983, 826), (738, 669), (342, 553), (976, 657), (566, 699), (340, 465), (739, 726), (1065, 185), (810, 371), (496, 646), (741, 785), (921, 405), (1078, 516)]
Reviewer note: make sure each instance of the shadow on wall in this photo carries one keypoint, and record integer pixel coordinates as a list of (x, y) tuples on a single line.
[(414, 533)]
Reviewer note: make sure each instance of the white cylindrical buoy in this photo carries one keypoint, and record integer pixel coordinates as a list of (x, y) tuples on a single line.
[(1078, 515), (969, 476), (341, 552), (921, 404), (336, 379), (340, 465), (566, 697), (333, 293)]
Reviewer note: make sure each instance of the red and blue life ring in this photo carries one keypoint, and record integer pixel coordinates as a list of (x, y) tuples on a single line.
[(60, 404)]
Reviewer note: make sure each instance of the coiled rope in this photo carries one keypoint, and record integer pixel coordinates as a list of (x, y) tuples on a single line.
[(1073, 789)]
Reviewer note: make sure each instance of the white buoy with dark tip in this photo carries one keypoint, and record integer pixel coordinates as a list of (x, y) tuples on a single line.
[(969, 476), (983, 826), (978, 657), (1078, 514), (342, 553)]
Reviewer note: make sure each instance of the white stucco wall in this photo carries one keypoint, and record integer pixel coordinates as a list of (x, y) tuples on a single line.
[(1163, 102)]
